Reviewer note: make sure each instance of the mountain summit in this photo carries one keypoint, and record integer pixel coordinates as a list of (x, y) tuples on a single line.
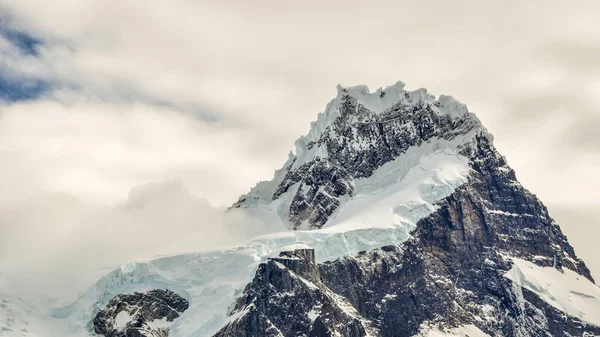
[(397, 217), (342, 158)]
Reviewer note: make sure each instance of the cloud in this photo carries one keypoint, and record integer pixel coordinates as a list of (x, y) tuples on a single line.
[(15, 47), (22, 41), (98, 150), (584, 133), (577, 54), (584, 241), (56, 239)]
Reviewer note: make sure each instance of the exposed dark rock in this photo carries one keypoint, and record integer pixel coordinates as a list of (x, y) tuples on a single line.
[(140, 309), (321, 184), (288, 298)]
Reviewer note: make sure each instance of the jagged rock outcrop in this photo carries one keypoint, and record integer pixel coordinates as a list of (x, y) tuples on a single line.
[(139, 314), (322, 183), (288, 298), (452, 272)]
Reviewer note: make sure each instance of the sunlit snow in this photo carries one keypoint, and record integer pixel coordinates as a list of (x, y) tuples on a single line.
[(567, 291)]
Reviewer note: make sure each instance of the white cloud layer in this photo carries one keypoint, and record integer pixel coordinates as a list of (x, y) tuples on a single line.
[(55, 241), (214, 94)]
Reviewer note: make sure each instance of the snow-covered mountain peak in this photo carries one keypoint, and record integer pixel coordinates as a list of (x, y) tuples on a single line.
[(360, 133), (378, 102), (406, 222)]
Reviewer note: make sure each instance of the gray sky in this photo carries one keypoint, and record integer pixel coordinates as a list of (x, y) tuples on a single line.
[(215, 93)]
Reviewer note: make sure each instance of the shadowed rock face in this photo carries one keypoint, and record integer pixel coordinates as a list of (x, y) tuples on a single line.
[(450, 273), (288, 298), (136, 315)]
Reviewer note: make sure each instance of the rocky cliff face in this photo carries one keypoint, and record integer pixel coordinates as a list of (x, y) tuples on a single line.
[(140, 314), (288, 298), (451, 273)]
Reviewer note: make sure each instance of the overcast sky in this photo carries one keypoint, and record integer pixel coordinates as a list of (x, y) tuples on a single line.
[(100, 96)]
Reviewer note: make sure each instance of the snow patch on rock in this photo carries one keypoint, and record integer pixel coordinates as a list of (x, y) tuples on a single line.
[(122, 319), (567, 291)]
